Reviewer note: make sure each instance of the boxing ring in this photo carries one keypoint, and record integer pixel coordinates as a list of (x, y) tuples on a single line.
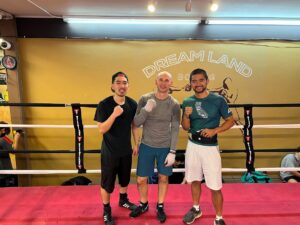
[(272, 203)]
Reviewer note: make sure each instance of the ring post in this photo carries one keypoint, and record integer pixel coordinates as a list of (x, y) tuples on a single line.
[(79, 137), (248, 138)]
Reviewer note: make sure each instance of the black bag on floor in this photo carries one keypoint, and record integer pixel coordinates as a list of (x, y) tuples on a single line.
[(79, 180), (9, 181)]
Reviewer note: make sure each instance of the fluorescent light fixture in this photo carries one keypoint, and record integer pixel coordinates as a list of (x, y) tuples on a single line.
[(276, 22), (126, 20)]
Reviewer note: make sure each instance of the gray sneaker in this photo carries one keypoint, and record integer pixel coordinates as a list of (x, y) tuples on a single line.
[(220, 222), (191, 215)]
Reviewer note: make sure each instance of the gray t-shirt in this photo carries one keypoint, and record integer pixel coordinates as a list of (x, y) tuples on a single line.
[(289, 160), (161, 125)]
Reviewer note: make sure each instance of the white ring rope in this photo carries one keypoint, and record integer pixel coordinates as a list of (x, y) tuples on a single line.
[(95, 126), (275, 169)]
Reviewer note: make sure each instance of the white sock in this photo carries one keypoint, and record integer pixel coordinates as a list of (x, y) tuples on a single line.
[(218, 217), (197, 207)]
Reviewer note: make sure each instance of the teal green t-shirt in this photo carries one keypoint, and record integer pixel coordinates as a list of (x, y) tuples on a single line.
[(207, 112)]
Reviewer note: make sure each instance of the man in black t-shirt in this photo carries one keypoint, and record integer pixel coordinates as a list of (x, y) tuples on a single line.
[(114, 115)]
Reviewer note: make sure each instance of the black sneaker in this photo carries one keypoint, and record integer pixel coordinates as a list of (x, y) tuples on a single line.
[(220, 222), (108, 218), (191, 216), (139, 210), (125, 203), (160, 214)]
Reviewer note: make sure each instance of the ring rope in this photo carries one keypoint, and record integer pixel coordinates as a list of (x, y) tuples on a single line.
[(27, 172), (47, 104), (296, 126), (58, 151), (247, 128), (95, 105)]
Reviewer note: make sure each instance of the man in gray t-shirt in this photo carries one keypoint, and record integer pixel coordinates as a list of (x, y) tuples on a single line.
[(159, 114), (291, 160)]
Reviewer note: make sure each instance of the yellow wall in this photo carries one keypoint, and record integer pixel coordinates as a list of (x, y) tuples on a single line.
[(70, 71)]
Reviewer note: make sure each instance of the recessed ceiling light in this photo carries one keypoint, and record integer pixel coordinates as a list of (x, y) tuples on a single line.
[(214, 7), (151, 7)]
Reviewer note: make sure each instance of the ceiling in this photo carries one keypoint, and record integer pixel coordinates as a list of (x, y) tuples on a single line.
[(165, 8)]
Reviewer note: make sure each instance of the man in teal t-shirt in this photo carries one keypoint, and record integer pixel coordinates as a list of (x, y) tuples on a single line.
[(201, 118)]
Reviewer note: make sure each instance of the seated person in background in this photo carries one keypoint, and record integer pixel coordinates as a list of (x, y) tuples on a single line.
[(291, 160)]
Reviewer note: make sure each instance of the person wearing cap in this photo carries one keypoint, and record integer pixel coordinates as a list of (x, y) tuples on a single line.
[(114, 116), (159, 114), (6, 144)]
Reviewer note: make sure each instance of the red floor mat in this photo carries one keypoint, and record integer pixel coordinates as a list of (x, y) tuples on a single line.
[(247, 204)]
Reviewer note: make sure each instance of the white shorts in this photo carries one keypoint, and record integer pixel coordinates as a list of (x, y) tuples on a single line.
[(203, 162)]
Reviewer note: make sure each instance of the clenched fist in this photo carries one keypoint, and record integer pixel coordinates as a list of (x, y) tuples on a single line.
[(150, 105), (188, 111), (117, 111)]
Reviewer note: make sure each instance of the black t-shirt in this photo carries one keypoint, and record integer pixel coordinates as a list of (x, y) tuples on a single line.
[(117, 140)]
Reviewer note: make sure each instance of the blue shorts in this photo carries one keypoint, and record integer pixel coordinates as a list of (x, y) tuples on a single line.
[(146, 161)]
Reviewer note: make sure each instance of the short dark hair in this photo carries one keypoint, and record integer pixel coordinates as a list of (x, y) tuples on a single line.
[(120, 73), (7, 129), (198, 71)]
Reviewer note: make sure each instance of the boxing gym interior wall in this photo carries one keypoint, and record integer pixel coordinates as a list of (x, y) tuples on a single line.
[(79, 71)]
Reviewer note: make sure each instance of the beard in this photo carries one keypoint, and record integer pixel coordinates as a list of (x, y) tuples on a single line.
[(199, 91)]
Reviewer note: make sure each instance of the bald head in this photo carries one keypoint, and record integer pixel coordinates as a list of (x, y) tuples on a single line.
[(164, 73), (163, 82)]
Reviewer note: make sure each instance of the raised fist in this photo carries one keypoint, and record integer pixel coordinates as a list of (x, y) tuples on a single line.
[(150, 105), (188, 111), (19, 131), (118, 111)]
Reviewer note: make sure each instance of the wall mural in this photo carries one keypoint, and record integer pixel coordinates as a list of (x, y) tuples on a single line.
[(80, 71)]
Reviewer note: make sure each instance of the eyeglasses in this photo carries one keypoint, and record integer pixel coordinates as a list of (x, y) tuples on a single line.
[(121, 82)]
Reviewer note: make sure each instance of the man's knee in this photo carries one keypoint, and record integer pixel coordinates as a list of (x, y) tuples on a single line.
[(142, 180), (216, 192), (292, 181), (163, 179)]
